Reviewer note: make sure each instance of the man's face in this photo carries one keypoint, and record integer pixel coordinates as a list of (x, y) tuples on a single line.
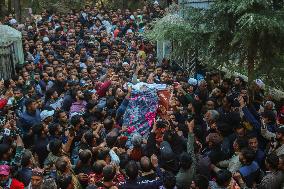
[(126, 67), (163, 77), (159, 71), (93, 74), (60, 77), (3, 179), (99, 66), (26, 76), (36, 77), (12, 83), (50, 58), (29, 67), (90, 61), (119, 92), (63, 117), (240, 132), (207, 117), (253, 143), (84, 73), (49, 70), (237, 81), (66, 55), (55, 63), (18, 94), (225, 85), (31, 92), (45, 76), (210, 105), (279, 137), (36, 181), (80, 95), (33, 106), (203, 86)]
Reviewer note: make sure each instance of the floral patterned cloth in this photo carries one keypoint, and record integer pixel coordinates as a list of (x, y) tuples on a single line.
[(141, 111)]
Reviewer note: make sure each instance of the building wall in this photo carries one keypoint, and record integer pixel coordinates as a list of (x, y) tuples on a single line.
[(204, 4)]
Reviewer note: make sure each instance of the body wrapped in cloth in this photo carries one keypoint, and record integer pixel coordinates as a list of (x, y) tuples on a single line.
[(141, 111)]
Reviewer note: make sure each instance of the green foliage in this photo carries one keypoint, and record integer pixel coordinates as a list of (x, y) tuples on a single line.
[(241, 35)]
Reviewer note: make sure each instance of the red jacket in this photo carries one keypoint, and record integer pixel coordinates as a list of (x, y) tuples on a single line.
[(16, 184), (3, 102)]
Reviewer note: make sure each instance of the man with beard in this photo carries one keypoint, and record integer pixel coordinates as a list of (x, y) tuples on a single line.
[(37, 179), (253, 144), (6, 181), (62, 118), (59, 83), (17, 101), (278, 145), (79, 105)]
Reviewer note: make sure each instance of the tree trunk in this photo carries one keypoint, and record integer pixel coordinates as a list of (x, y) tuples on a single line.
[(17, 7), (9, 5), (2, 8), (250, 64)]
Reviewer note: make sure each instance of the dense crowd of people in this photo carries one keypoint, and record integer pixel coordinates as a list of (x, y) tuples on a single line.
[(91, 107)]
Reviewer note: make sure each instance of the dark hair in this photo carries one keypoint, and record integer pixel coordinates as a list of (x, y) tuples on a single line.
[(169, 180), (18, 90), (85, 156), (7, 83), (108, 123), (29, 101), (273, 160), (248, 154), (102, 154), (185, 161), (108, 173), (26, 158), (201, 181), (49, 93), (53, 128), (223, 176), (64, 181), (252, 136), (49, 183), (61, 164), (242, 142), (37, 129), (98, 168), (131, 170), (75, 120), (124, 159), (89, 137), (55, 146)]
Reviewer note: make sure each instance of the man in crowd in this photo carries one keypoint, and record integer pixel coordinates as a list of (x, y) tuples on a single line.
[(87, 108)]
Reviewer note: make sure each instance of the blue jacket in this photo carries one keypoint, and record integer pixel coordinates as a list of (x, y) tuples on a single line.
[(251, 173), (27, 120), (25, 175)]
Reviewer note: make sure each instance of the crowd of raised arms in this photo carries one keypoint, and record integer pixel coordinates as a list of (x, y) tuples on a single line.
[(92, 107)]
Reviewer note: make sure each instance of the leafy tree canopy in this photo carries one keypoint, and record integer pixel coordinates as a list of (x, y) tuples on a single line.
[(242, 35)]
